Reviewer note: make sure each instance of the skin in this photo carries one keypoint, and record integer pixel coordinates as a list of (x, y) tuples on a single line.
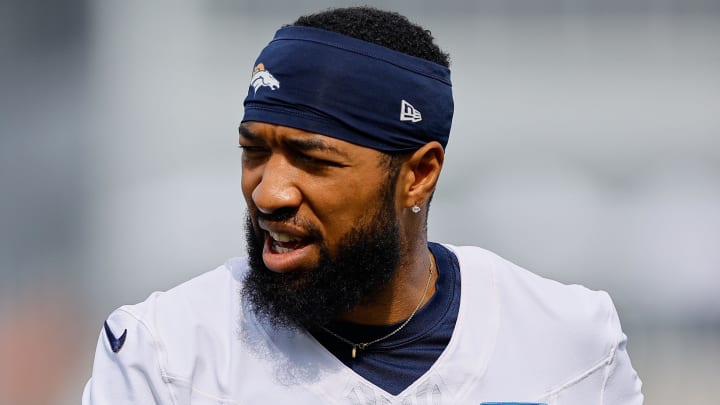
[(328, 184)]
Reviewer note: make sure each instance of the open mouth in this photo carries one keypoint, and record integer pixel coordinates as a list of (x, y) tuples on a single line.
[(287, 252), (284, 243)]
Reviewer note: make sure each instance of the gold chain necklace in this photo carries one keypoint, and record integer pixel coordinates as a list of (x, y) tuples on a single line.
[(363, 346)]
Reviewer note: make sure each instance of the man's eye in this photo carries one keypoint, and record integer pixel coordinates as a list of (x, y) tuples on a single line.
[(251, 149), (253, 152), (316, 162), (310, 159)]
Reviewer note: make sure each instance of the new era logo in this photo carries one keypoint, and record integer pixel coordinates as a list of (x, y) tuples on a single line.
[(409, 113)]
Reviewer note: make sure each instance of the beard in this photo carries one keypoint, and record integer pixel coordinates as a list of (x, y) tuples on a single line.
[(365, 261)]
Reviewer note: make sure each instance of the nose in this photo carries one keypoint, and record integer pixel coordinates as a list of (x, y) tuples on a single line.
[(277, 189)]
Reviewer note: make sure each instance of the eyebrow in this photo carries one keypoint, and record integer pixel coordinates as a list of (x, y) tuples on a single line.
[(246, 133), (305, 145), (299, 144)]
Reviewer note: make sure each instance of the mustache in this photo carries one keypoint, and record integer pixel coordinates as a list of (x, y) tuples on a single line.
[(287, 215), (279, 215)]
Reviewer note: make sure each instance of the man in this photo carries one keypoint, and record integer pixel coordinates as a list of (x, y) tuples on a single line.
[(342, 299)]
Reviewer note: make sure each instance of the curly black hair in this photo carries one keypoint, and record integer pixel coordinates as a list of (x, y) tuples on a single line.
[(385, 28)]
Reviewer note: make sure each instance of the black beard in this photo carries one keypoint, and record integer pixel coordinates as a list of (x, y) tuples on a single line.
[(365, 262)]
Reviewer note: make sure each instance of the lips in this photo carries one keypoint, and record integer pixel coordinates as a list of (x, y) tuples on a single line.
[(286, 248), (284, 242)]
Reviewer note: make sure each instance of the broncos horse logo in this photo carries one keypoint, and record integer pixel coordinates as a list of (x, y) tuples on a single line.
[(263, 78)]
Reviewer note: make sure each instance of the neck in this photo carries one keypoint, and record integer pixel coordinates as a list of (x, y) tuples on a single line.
[(397, 301)]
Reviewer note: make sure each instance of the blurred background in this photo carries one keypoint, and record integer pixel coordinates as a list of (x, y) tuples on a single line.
[(586, 147)]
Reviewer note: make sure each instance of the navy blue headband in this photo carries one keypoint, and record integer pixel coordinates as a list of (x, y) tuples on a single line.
[(328, 83)]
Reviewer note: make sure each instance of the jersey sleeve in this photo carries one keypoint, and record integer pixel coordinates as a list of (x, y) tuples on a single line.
[(131, 373), (622, 386)]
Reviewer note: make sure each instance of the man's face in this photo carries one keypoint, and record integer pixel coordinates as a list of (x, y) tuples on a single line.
[(322, 223)]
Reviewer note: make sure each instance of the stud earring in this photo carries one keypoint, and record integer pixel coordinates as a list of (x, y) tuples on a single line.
[(415, 209)]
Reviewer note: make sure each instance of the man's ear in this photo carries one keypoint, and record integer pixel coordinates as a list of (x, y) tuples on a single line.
[(420, 173)]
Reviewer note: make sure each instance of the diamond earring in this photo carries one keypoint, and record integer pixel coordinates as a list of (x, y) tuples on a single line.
[(415, 209)]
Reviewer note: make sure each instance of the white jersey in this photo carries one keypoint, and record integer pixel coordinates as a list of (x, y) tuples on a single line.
[(518, 338)]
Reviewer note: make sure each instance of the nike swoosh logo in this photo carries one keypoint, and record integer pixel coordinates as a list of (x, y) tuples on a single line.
[(115, 343)]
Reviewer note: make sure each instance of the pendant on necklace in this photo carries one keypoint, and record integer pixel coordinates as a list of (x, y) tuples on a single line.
[(354, 351)]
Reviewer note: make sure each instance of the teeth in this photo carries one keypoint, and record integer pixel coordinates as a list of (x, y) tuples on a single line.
[(280, 249), (282, 237)]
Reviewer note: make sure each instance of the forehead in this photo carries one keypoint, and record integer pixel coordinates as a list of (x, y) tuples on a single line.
[(278, 135)]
